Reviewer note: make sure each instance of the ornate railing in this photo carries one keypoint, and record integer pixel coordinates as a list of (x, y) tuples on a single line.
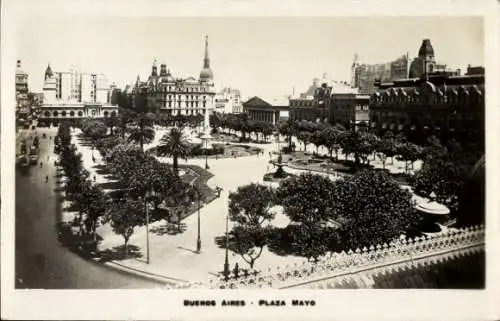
[(340, 264)]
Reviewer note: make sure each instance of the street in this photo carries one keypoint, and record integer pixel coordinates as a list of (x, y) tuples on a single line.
[(41, 261)]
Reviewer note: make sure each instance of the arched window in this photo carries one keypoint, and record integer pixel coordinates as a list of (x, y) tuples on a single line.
[(106, 113), (113, 113), (63, 113), (55, 113), (72, 113), (47, 114), (80, 113)]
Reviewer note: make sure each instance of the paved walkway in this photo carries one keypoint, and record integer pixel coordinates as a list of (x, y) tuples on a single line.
[(174, 255)]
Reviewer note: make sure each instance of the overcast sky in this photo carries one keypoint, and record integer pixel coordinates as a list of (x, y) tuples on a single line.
[(260, 56)]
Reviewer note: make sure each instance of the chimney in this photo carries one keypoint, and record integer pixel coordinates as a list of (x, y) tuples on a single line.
[(459, 72)]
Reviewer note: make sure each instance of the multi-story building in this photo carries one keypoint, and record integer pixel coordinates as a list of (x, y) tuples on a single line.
[(440, 104), (228, 101), (349, 109), (74, 95), (365, 75), (313, 105), (170, 95), (22, 91)]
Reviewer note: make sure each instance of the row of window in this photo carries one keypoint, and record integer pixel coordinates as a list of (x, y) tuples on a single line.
[(452, 98), (177, 89), (170, 97), (80, 113), (188, 104)]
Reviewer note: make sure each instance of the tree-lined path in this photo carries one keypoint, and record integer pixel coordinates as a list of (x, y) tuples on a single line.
[(41, 261)]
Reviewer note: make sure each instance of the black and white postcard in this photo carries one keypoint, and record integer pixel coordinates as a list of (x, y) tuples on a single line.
[(249, 160)]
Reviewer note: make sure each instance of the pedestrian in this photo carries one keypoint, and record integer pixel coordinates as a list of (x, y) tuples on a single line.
[(236, 270), (94, 178), (46, 178), (41, 164)]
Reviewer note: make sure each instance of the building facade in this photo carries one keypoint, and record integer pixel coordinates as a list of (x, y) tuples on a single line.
[(447, 106), (228, 101), (22, 94), (365, 75), (167, 94), (313, 105), (260, 110), (349, 109), (73, 95)]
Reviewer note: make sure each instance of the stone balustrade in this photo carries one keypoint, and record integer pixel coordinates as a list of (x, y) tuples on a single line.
[(339, 264)]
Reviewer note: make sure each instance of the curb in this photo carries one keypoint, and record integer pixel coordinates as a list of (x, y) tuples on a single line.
[(143, 274)]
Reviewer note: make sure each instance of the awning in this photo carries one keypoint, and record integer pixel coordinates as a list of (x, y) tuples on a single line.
[(433, 207)]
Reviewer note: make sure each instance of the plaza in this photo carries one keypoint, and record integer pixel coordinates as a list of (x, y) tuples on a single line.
[(175, 256)]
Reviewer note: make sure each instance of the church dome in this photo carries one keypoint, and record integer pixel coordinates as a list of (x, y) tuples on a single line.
[(426, 49), (206, 74)]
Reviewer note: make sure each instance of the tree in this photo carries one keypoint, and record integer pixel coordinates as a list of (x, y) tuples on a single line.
[(331, 138), (409, 152), (112, 122), (304, 137), (242, 124), (123, 161), (267, 130), (180, 197), (249, 208), (374, 209), (288, 128), (175, 145), (141, 133), (312, 240), (444, 172), (91, 202), (317, 139), (386, 147), (96, 130), (307, 198), (124, 216)]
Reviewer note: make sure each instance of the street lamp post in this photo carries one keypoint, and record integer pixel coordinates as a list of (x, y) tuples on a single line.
[(226, 262), (198, 241), (148, 194), (206, 153)]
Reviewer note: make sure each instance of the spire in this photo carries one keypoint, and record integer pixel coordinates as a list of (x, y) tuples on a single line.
[(154, 69), (48, 72), (206, 73), (206, 61)]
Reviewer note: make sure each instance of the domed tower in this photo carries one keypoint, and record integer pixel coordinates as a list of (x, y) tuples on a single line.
[(163, 70), (426, 55), (206, 74), (154, 69), (49, 86)]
